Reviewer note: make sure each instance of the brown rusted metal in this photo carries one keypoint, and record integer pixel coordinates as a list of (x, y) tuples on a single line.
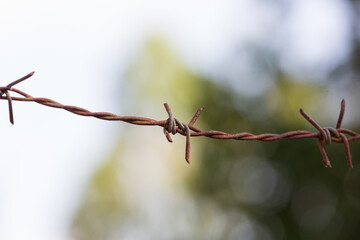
[(196, 116), (341, 114), (173, 125)]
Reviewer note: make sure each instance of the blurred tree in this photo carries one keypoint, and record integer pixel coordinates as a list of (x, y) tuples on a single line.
[(103, 207), (239, 190)]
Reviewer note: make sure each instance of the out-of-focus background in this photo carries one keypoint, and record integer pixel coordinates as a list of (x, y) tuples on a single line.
[(251, 64)]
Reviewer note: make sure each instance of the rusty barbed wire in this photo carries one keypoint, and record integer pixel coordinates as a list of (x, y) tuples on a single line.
[(324, 136)]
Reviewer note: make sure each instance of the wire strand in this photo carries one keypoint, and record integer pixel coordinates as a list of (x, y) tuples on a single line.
[(172, 125)]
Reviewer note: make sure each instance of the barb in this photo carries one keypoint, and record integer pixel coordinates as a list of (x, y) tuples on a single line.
[(324, 136), (4, 90)]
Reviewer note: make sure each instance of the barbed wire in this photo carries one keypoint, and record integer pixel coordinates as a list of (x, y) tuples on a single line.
[(323, 136)]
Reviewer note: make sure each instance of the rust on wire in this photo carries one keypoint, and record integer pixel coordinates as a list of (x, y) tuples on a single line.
[(323, 136), (4, 90)]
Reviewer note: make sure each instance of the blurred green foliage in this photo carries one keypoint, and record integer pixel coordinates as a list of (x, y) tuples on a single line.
[(252, 190), (103, 207)]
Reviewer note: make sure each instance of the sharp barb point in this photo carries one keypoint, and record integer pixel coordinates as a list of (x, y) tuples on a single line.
[(20, 80), (347, 150), (11, 115), (341, 114), (187, 148), (196, 116)]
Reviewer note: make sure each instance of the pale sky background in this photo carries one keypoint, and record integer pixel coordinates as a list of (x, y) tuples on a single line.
[(79, 50)]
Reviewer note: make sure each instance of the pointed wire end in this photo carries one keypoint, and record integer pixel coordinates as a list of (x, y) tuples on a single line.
[(349, 159), (187, 153), (187, 147), (187, 150), (327, 164), (342, 108), (347, 150), (196, 116), (342, 102), (27, 76), (341, 114), (326, 160), (20, 80), (301, 111), (167, 135), (307, 117), (11, 116), (167, 107)]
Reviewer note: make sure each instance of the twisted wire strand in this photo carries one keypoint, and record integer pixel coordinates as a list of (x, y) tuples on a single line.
[(324, 136)]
